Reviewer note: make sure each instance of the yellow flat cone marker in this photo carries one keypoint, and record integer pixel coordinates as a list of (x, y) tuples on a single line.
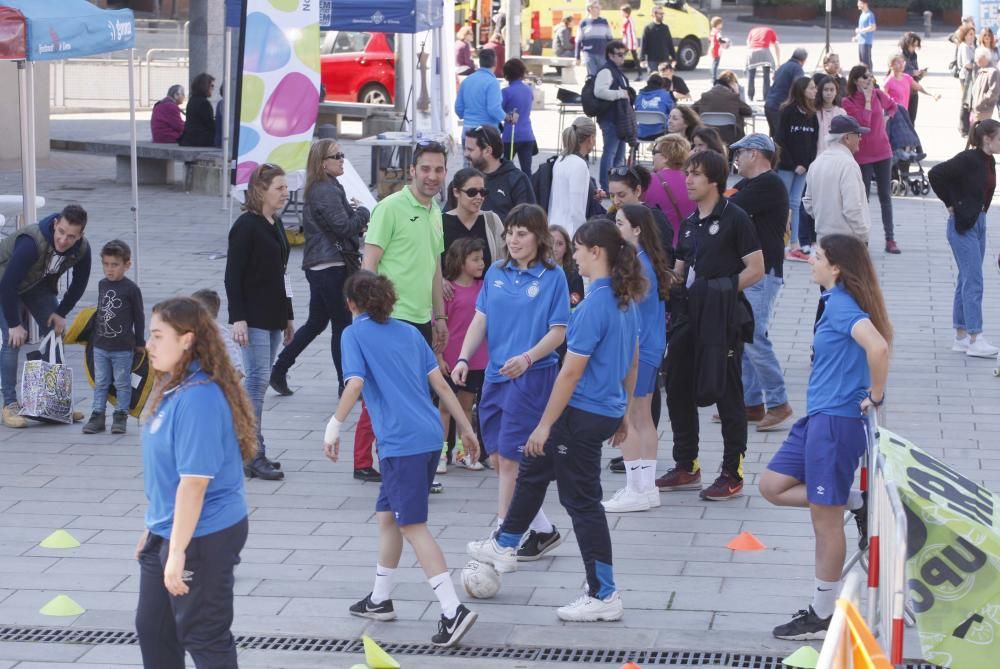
[(60, 539), (804, 658), (61, 605), (376, 657)]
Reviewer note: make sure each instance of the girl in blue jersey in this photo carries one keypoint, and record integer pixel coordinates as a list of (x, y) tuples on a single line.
[(200, 433), (391, 361), (587, 406), (635, 222), (815, 466), (522, 310)]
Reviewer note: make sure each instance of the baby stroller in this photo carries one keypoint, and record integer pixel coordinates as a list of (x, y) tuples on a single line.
[(907, 172)]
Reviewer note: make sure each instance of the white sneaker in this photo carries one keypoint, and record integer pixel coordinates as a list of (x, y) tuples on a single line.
[(654, 497), (442, 467), (504, 560), (626, 501), (961, 345), (981, 348), (469, 463), (589, 609)]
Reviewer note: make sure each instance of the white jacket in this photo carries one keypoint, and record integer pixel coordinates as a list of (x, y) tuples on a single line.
[(835, 194)]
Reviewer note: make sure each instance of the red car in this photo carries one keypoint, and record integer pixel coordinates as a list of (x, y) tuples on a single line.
[(358, 67)]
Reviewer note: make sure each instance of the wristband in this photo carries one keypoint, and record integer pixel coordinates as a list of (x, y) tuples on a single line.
[(441, 318), (528, 358), (465, 360), (332, 430), (872, 400)]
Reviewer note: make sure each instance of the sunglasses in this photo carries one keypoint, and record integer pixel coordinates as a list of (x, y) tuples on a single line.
[(475, 192), (335, 156), (430, 144), (622, 171), (619, 54)]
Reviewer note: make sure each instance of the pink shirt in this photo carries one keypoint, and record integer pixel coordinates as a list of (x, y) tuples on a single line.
[(460, 310), (657, 197), (875, 145), (899, 89)]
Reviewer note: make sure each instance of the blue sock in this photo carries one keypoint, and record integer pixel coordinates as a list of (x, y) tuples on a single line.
[(606, 578), (509, 540)]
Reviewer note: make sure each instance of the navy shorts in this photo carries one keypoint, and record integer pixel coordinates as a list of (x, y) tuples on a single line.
[(406, 485), (473, 382), (645, 380), (509, 412), (823, 452)]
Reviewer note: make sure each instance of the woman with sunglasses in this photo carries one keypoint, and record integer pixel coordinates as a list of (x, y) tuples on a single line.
[(464, 216), (333, 226), (870, 107)]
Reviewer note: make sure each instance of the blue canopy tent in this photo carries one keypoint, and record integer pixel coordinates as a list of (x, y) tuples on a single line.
[(387, 16), (45, 30)]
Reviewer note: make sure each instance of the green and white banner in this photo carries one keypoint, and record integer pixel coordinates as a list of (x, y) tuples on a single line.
[(953, 557)]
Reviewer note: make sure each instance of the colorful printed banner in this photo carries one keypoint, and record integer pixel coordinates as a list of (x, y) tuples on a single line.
[(953, 556), (278, 85)]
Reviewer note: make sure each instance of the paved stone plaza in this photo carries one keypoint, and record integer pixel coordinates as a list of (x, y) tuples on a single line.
[(312, 542)]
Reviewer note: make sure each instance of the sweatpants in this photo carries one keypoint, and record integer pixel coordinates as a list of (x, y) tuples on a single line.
[(198, 622), (572, 459)]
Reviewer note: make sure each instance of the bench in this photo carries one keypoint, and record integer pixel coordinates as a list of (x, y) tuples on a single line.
[(156, 162), (564, 66)]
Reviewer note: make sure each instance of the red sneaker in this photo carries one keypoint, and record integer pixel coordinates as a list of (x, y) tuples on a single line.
[(679, 479), (724, 487), (797, 255), (891, 247)]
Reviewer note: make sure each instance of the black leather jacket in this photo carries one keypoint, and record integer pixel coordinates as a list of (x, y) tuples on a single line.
[(330, 224)]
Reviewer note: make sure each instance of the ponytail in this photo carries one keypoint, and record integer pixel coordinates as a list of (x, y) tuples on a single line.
[(980, 131), (576, 133), (627, 280)]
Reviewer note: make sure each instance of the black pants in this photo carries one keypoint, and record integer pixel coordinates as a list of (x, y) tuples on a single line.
[(683, 410), (751, 81), (881, 172), (773, 116), (199, 621), (573, 460), (524, 151), (807, 227), (326, 305)]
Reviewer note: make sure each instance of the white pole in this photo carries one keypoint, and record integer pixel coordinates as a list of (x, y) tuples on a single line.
[(134, 159), (437, 44), (513, 35), (27, 146), (227, 108)]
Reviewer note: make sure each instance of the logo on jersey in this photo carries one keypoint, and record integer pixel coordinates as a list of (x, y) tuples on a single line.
[(561, 449), (713, 229), (533, 290), (687, 233), (820, 490), (498, 283)]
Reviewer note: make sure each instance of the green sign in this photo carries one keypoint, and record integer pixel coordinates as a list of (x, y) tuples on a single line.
[(953, 557)]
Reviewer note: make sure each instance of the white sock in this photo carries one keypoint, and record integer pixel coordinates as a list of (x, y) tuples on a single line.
[(499, 523), (445, 591), (825, 597), (383, 584), (648, 475), (633, 474), (854, 501), (541, 524)]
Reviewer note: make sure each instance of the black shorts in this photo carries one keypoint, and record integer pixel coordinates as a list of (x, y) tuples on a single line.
[(473, 382)]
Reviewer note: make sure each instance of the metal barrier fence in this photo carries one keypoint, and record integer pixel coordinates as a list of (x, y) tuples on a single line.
[(887, 562), (103, 82), (168, 27), (849, 643)]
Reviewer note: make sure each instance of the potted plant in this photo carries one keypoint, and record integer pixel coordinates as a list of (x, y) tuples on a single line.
[(786, 10)]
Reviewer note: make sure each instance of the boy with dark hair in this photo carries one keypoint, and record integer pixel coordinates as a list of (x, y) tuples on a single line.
[(211, 301), (119, 330)]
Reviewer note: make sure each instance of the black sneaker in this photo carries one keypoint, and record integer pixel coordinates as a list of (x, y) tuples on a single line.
[(537, 544), (366, 608), (804, 626), (436, 487), (451, 630), (368, 475), (97, 423), (119, 422), (617, 465), (861, 518), (279, 382)]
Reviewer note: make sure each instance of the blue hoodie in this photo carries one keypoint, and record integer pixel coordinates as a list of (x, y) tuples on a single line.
[(24, 255), (479, 101)]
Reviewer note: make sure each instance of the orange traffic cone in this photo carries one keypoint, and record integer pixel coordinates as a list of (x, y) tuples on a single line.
[(745, 542), (630, 665)]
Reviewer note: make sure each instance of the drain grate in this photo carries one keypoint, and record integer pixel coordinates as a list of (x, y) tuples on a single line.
[(664, 658)]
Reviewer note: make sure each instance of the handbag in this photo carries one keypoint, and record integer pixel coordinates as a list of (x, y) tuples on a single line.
[(352, 259), (47, 384)]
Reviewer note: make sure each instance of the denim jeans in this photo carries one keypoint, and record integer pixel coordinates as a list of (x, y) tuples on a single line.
[(112, 366), (41, 302), (969, 250), (326, 305), (881, 172), (795, 184), (763, 381), (593, 62), (258, 356), (865, 54), (612, 151)]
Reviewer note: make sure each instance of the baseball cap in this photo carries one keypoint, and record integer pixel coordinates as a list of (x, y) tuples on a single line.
[(844, 124), (757, 140)]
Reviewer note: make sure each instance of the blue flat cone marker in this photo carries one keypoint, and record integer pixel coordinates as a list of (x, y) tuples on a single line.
[(61, 605), (60, 539), (804, 658), (376, 657)]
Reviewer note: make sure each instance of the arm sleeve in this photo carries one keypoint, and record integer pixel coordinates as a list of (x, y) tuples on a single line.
[(559, 304), (237, 258), (175, 120), (602, 86), (380, 228), (481, 297), (579, 191), (522, 192), (25, 255), (942, 176), (430, 361), (199, 431), (671, 54), (78, 285), (138, 317), (494, 103), (746, 236), (353, 360), (460, 102), (854, 202), (579, 39), (584, 333), (645, 41), (330, 215)]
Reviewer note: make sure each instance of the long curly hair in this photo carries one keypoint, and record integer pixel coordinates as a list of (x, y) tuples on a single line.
[(186, 315), (639, 216), (627, 280), (858, 277)]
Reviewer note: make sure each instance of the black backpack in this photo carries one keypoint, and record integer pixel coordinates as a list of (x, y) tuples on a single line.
[(593, 106), (541, 182)]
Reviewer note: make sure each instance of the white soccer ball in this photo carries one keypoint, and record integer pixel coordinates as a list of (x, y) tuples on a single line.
[(480, 580)]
